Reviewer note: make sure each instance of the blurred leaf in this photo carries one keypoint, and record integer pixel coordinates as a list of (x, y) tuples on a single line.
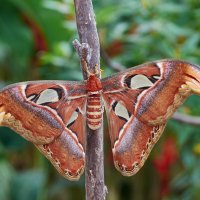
[(11, 140), (28, 185), (6, 175)]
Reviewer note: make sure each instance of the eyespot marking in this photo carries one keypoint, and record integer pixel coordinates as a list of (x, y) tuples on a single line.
[(48, 96), (156, 77), (140, 81), (32, 97), (121, 111), (72, 118)]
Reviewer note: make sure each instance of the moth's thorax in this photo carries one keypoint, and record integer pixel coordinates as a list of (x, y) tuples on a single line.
[(93, 84)]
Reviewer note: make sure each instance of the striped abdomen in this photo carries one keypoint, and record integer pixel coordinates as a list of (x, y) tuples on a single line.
[(94, 111)]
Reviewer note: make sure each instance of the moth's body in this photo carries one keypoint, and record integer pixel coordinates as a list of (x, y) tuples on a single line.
[(94, 109), (138, 102)]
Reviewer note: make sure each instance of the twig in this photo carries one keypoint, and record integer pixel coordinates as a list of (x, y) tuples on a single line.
[(90, 49), (186, 118), (114, 65)]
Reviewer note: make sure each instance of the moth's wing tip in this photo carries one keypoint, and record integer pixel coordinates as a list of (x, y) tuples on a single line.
[(73, 177)]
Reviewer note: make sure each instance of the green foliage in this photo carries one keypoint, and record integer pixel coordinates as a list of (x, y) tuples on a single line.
[(28, 185), (6, 174), (36, 43)]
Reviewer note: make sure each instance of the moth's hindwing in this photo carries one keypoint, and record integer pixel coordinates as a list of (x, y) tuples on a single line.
[(66, 154)]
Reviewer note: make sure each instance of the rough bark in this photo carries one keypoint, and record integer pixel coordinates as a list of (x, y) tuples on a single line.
[(89, 49)]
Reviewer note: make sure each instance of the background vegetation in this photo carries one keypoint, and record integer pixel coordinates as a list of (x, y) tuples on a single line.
[(36, 43)]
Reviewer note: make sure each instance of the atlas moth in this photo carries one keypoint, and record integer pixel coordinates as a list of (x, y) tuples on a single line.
[(138, 101)]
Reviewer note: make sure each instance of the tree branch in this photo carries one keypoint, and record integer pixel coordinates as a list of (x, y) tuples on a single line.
[(186, 118), (89, 49), (114, 65)]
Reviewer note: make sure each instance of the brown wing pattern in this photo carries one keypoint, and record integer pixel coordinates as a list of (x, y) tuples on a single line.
[(51, 115), (138, 103)]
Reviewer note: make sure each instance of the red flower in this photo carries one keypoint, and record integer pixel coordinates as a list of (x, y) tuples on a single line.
[(163, 163)]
